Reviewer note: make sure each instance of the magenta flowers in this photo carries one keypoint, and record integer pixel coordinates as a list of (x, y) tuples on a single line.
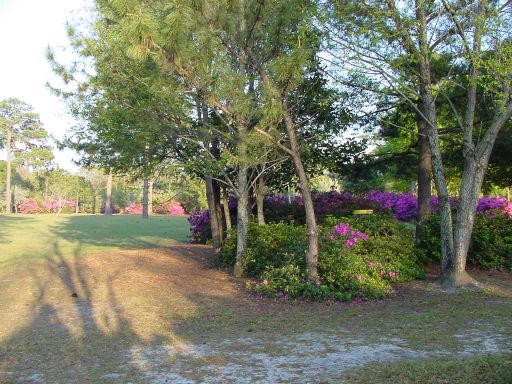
[(343, 230)]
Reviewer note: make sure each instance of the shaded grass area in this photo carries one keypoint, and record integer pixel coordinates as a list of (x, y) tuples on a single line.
[(94, 302), (470, 370), (28, 237)]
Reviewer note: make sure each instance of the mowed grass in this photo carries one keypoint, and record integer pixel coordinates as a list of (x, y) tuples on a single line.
[(28, 237), (96, 299)]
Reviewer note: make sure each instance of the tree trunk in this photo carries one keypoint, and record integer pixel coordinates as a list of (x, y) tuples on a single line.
[(145, 199), (211, 197), (218, 208), (424, 177), (427, 108), (214, 223), (227, 213), (13, 203), (8, 197), (150, 198), (108, 199), (76, 203), (259, 200), (242, 225), (456, 275), (312, 253)]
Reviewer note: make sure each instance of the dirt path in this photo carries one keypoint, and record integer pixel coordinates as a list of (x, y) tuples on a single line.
[(166, 316)]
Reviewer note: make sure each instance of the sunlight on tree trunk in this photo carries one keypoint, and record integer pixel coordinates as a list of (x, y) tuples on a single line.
[(108, 197)]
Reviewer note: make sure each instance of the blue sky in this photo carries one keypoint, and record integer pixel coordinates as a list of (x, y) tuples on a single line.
[(27, 27)]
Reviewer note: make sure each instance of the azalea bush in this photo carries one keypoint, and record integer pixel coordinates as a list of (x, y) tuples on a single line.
[(29, 206), (115, 209), (175, 209), (134, 208), (491, 241), (360, 257), (402, 206), (200, 230)]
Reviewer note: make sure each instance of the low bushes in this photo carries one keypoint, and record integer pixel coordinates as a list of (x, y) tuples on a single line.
[(402, 206), (491, 242), (359, 258)]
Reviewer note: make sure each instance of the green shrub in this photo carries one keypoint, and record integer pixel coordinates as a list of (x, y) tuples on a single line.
[(370, 266), (490, 246), (382, 253), (272, 245)]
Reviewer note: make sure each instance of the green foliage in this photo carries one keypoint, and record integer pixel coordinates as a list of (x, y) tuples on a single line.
[(28, 136), (490, 246), (364, 270), (275, 245)]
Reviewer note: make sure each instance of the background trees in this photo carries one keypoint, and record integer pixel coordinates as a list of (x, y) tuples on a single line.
[(228, 91), (474, 37), (24, 140)]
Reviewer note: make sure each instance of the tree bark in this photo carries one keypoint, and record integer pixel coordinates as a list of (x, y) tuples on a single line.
[(218, 208), (312, 253), (108, 199), (242, 225), (214, 223), (150, 198), (227, 213), (428, 110), (8, 197), (424, 177), (260, 191), (145, 199), (76, 203)]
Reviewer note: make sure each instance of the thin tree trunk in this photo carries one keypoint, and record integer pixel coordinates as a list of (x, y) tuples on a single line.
[(312, 253), (214, 223), (8, 197), (150, 198), (242, 224), (108, 199), (227, 213), (428, 108), (218, 208), (424, 177), (14, 205), (259, 200), (76, 202), (145, 199)]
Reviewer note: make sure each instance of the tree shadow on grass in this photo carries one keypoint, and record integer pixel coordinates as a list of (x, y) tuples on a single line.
[(78, 329), (127, 231)]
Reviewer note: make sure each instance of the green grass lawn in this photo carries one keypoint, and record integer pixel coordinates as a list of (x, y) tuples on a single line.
[(99, 299), (29, 237)]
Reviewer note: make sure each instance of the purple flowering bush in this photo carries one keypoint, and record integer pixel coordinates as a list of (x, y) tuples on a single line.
[(402, 206), (200, 230), (115, 209), (359, 258)]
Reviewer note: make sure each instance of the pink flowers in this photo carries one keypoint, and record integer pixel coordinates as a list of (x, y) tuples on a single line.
[(371, 264), (264, 282), (176, 209), (359, 277), (392, 274), (343, 230)]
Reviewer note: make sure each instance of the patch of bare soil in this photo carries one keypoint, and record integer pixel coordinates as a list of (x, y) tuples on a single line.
[(167, 316)]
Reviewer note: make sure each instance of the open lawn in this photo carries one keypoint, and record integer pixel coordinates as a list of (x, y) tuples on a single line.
[(94, 299)]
